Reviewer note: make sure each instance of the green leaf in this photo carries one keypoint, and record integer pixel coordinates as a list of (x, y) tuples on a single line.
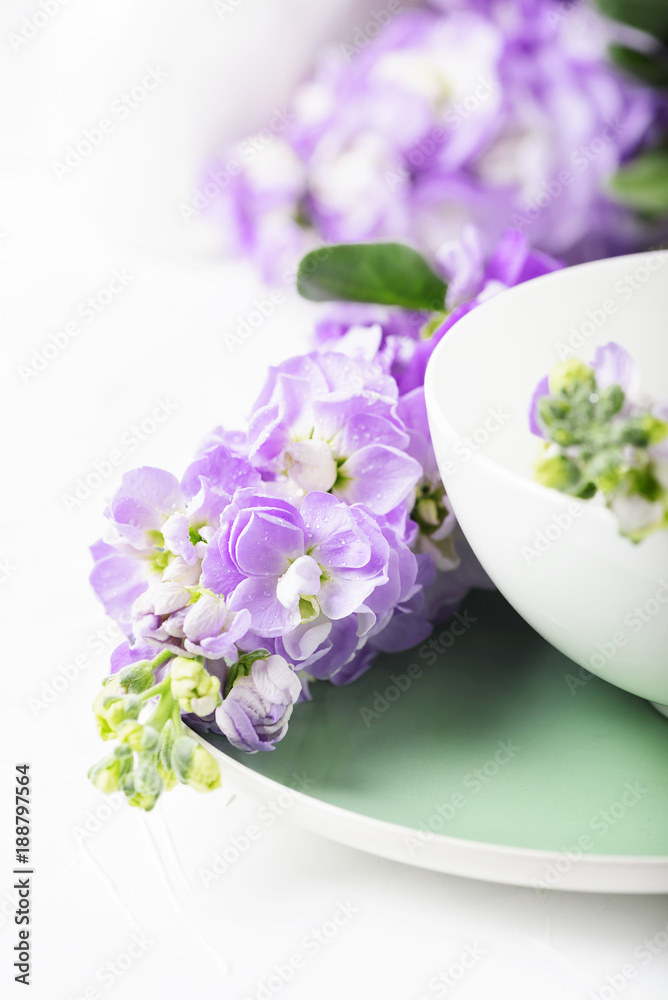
[(643, 183), (648, 15), (650, 68), (383, 273)]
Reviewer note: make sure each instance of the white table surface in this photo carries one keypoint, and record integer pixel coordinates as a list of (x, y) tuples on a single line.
[(123, 906)]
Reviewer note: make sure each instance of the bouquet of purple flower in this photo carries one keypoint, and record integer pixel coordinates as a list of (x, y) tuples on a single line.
[(497, 114), (296, 550)]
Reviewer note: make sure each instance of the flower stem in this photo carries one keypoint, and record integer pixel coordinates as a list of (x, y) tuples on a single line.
[(161, 658), (164, 709)]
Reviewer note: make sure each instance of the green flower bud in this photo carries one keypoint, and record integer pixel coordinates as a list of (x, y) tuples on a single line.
[(130, 732), (106, 775), (138, 737), (195, 689), (655, 429), (137, 677), (146, 785), (150, 739), (610, 402), (606, 469), (567, 374), (559, 473), (168, 777), (195, 766), (111, 710), (110, 689)]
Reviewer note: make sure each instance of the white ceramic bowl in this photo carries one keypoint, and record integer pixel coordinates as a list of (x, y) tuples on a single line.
[(563, 565)]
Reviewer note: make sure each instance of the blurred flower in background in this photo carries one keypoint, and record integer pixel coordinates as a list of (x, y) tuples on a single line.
[(493, 113)]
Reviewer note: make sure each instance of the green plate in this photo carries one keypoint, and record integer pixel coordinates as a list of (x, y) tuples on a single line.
[(494, 757)]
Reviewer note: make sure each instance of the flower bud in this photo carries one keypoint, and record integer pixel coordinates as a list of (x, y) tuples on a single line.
[(137, 677), (567, 374), (146, 785), (168, 777), (559, 473), (138, 737), (111, 710), (195, 689), (106, 774), (130, 732), (195, 766)]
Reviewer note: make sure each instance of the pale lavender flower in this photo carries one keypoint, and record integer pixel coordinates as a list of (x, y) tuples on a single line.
[(255, 714), (326, 422), (288, 566), (431, 510), (189, 622), (158, 527)]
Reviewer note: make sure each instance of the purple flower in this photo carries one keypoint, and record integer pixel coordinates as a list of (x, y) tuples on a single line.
[(142, 504), (497, 113), (208, 483), (432, 511), (614, 366), (255, 714), (189, 621), (326, 422), (288, 566), (117, 579), (541, 390), (158, 528), (125, 654)]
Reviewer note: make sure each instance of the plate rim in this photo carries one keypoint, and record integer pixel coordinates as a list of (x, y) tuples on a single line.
[(587, 869)]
